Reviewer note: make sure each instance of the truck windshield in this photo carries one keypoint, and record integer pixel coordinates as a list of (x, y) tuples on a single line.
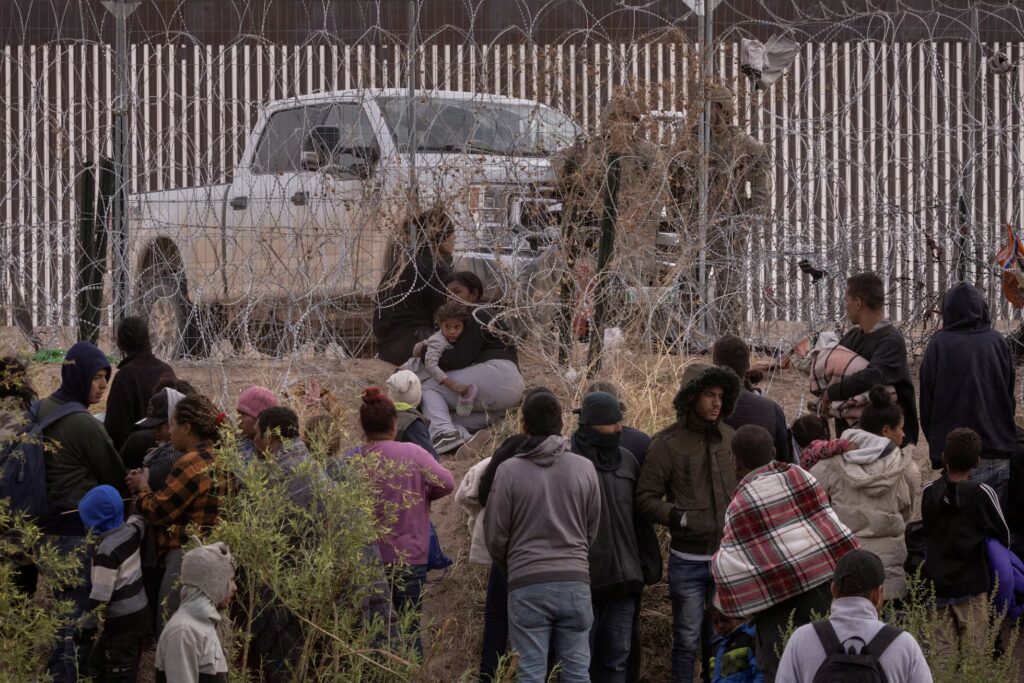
[(483, 126)]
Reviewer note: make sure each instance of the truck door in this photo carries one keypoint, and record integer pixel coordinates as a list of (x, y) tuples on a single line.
[(268, 210), (345, 235)]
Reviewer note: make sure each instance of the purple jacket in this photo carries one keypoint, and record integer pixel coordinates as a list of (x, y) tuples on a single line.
[(407, 479), (1007, 577)]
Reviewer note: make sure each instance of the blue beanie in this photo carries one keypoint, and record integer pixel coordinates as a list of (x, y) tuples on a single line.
[(101, 509)]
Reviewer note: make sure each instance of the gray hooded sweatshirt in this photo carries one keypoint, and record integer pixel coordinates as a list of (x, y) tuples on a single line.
[(855, 622), (543, 512)]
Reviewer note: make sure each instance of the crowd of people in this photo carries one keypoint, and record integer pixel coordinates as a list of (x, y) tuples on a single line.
[(768, 523)]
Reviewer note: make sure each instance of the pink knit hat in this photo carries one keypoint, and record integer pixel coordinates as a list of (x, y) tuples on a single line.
[(255, 400)]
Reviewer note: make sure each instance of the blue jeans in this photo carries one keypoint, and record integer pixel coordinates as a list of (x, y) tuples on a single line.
[(610, 639), (65, 658), (691, 587), (539, 611), (407, 595), (995, 473)]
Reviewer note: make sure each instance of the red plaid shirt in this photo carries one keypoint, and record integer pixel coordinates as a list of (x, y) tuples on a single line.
[(188, 498), (782, 538)]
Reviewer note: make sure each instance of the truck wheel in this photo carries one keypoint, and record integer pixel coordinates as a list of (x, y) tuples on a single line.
[(175, 323)]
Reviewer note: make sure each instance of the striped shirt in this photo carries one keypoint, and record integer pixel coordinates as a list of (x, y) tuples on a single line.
[(189, 497), (117, 570)]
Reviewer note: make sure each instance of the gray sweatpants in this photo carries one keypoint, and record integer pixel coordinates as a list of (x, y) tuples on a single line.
[(499, 389)]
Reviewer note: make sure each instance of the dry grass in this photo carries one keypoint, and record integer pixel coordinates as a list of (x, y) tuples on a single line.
[(454, 599)]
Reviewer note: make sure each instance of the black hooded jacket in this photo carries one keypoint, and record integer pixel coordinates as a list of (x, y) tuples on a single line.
[(967, 378)]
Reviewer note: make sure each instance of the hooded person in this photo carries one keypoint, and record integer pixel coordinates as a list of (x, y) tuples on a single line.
[(116, 586), (686, 484), (872, 486), (542, 520), (968, 380), (189, 648), (617, 573), (83, 458), (138, 375)]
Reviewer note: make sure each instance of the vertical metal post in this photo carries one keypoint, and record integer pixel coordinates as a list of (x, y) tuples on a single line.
[(410, 76), (121, 10), (605, 249), (968, 166), (706, 42)]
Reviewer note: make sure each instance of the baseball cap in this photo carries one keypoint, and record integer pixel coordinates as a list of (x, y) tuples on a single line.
[(858, 571), (160, 406)]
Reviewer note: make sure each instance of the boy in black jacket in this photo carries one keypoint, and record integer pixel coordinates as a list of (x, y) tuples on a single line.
[(958, 516)]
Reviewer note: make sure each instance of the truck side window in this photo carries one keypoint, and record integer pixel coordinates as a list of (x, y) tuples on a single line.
[(356, 129), (280, 147)]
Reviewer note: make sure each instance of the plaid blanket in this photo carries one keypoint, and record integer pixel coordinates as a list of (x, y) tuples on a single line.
[(829, 365), (782, 538)]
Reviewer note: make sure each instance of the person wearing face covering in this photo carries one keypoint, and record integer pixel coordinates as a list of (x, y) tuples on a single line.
[(617, 571), (82, 457)]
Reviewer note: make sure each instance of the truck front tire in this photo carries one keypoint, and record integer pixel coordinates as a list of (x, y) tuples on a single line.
[(175, 323)]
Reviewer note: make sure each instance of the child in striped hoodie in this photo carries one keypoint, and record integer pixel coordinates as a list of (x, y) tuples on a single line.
[(117, 592)]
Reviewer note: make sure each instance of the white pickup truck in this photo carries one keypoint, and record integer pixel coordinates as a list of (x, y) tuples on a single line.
[(295, 246)]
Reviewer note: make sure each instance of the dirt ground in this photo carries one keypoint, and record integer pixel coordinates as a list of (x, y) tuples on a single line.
[(454, 598)]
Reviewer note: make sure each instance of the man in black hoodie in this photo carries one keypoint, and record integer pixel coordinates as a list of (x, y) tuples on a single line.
[(876, 340), (967, 380), (617, 570)]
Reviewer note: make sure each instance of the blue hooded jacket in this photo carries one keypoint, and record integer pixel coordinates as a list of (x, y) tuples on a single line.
[(967, 378), (101, 509), (81, 363)]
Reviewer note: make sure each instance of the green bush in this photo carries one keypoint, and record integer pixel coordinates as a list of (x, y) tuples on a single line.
[(315, 566), (29, 625)]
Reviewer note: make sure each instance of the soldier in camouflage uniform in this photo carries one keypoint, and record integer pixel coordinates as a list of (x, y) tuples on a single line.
[(735, 160), (642, 192)]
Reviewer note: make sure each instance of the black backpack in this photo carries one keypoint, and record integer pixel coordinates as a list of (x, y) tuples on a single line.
[(23, 462), (846, 666)]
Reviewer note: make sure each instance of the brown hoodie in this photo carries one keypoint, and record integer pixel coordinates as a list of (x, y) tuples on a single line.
[(543, 512)]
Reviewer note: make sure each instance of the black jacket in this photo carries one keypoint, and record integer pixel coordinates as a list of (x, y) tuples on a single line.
[(617, 558), (135, 447), (134, 384), (754, 409), (405, 308), (886, 352), (482, 340), (958, 517), (967, 378)]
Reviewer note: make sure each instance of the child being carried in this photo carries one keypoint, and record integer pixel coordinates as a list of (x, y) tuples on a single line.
[(426, 355)]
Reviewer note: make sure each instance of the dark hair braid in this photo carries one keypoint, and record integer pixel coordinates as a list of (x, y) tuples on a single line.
[(198, 412)]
